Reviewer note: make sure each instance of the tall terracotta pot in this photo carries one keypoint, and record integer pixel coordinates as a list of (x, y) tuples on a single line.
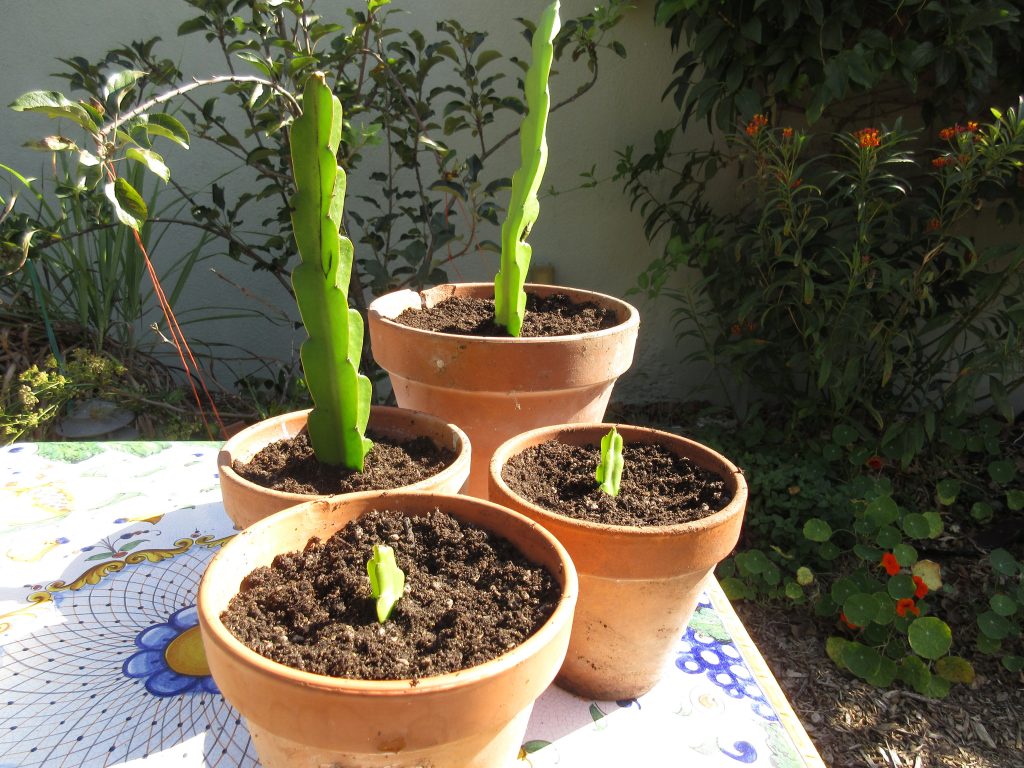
[(475, 718), (246, 502), (639, 586), (495, 387)]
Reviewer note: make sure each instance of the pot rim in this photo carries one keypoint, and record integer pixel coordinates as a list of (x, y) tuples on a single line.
[(224, 459), (732, 474), (631, 321), (425, 686)]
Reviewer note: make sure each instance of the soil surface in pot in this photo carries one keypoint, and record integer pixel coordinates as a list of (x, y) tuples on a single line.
[(290, 466), (555, 315), (657, 488), (469, 597)]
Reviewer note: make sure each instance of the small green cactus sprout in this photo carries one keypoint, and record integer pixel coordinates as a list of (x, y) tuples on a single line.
[(330, 356), (609, 469), (387, 581), (523, 208)]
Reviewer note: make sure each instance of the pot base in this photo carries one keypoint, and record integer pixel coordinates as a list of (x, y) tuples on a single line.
[(473, 752)]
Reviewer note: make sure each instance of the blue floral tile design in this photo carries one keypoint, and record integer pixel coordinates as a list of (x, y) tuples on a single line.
[(171, 673)]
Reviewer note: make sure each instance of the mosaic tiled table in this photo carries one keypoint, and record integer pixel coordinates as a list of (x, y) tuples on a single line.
[(101, 664)]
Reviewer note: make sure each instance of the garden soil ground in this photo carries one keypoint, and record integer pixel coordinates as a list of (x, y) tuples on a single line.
[(854, 725)]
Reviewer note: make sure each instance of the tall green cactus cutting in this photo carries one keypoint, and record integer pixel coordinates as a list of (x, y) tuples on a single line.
[(523, 208), (330, 356)]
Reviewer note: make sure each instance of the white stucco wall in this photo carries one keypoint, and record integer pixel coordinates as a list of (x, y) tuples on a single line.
[(591, 236)]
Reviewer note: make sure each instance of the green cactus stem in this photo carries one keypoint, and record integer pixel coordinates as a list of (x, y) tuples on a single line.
[(523, 208), (387, 581), (609, 468), (330, 356)]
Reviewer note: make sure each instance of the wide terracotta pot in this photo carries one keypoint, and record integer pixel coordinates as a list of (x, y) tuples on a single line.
[(475, 718), (246, 502), (638, 586), (496, 387)]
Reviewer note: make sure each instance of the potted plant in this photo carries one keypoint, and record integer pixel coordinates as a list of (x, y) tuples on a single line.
[(337, 423), (642, 574), (473, 718), (503, 382)]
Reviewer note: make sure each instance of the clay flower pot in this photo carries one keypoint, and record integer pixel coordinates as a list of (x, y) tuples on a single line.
[(496, 387), (474, 718), (246, 502), (639, 586)]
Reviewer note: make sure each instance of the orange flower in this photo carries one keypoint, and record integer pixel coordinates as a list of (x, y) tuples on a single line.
[(890, 563), (947, 133), (906, 604), (796, 183), (922, 588), (867, 137), (847, 622), (942, 162), (787, 133), (932, 225), (972, 126), (756, 124), (875, 463)]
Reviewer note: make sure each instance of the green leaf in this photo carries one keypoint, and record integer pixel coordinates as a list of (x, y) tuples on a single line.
[(151, 160), (609, 465), (56, 105), (843, 434), (734, 588), (905, 555), (901, 586), (817, 529), (834, 647), (930, 637), (1013, 663), (842, 588), (994, 626), (168, 126), (935, 526), (987, 645), (1002, 471), (793, 591), (387, 580), (121, 80), (982, 511), (885, 675), (129, 207), (947, 490), (861, 660), (860, 609), (534, 745), (915, 673), (916, 526), (888, 536), (882, 510), (1004, 605), (1003, 562), (886, 608), (1015, 500), (955, 669)]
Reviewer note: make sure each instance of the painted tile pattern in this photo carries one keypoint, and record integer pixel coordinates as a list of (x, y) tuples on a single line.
[(101, 550)]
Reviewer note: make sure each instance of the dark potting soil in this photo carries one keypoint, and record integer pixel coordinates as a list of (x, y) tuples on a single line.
[(545, 316), (657, 487), (289, 465), (469, 597)]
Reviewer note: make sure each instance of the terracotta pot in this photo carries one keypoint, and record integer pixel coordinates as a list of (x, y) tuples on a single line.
[(475, 718), (495, 387), (246, 502), (638, 586)]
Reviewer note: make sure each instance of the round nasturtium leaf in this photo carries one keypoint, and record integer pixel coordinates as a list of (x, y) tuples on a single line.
[(860, 609), (982, 511), (882, 510), (1013, 663), (734, 588), (987, 645), (955, 669), (861, 660), (930, 637), (843, 434), (888, 536), (885, 675), (817, 529), (756, 561), (916, 526), (1002, 471), (947, 490), (1003, 562), (886, 608), (793, 591), (914, 673), (866, 553), (842, 588), (1015, 500), (901, 586), (1004, 605), (834, 648), (804, 576), (905, 555), (993, 625), (935, 526)]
